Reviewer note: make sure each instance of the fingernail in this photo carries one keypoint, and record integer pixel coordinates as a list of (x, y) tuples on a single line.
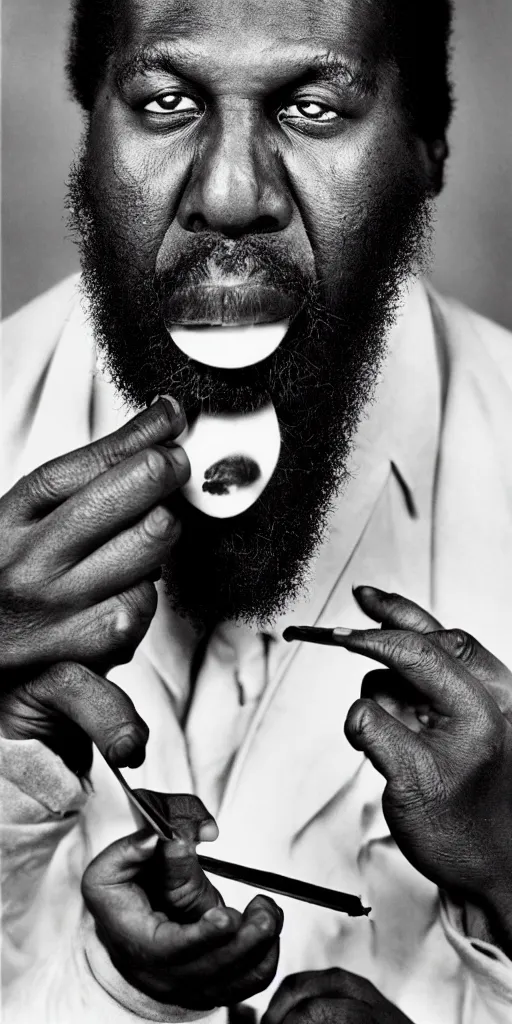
[(162, 521), (372, 590), (180, 457), (175, 404), (264, 923), (148, 844), (341, 631), (121, 750), (166, 398), (217, 916), (208, 832)]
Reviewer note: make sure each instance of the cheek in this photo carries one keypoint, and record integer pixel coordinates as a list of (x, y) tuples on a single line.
[(344, 184), (137, 178)]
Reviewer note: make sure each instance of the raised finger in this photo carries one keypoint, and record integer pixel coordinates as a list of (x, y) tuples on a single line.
[(423, 663), (394, 611), (110, 503), (54, 482)]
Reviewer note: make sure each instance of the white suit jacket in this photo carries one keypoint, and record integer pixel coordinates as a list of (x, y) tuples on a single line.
[(428, 513)]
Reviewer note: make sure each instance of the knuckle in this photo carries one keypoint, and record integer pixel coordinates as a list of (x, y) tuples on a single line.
[(61, 676), (20, 587), (410, 647), (461, 643), (44, 483)]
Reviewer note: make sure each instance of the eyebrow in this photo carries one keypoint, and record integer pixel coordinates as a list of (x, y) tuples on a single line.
[(355, 74)]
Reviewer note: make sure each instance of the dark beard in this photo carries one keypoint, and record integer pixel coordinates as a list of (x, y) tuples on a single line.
[(320, 379)]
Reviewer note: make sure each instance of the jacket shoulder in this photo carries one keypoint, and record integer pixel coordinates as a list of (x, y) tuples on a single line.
[(30, 335), (491, 344)]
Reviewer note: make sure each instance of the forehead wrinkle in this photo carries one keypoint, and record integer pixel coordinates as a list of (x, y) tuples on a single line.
[(175, 57)]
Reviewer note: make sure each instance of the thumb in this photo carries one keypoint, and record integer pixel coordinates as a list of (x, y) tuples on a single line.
[(103, 711), (390, 746), (110, 884)]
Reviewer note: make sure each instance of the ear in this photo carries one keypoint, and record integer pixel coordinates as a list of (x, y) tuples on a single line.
[(433, 154)]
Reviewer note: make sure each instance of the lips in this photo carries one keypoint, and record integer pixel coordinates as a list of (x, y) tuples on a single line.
[(228, 305)]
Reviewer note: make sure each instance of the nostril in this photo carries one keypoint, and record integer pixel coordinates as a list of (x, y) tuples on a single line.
[(265, 224), (196, 223)]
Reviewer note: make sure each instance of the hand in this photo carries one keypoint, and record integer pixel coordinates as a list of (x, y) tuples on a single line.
[(330, 997), (395, 612), (164, 924), (447, 799), (80, 539)]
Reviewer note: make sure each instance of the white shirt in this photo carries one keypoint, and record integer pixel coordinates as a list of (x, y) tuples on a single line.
[(289, 793)]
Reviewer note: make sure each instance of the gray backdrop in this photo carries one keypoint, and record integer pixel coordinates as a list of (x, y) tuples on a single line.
[(473, 255)]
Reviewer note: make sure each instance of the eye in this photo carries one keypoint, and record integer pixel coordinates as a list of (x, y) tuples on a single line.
[(172, 103), (308, 110)]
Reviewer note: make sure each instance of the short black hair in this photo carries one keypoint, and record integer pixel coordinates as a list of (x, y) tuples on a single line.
[(420, 33)]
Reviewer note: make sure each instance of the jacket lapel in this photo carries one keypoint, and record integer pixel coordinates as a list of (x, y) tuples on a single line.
[(295, 758), (473, 550)]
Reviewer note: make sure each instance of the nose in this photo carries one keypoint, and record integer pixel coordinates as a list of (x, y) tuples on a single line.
[(237, 185)]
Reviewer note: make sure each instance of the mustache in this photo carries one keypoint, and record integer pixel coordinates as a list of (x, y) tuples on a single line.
[(232, 304), (250, 264)]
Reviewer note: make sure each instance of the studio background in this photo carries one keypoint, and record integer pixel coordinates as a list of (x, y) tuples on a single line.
[(41, 128)]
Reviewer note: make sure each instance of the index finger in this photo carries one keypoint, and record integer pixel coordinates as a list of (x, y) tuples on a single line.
[(49, 485), (419, 660)]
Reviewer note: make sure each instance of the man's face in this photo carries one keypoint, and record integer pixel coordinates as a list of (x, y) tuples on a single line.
[(259, 151)]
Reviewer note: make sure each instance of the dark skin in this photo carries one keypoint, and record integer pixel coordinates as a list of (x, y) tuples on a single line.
[(437, 723), (276, 118), (165, 925), (81, 537)]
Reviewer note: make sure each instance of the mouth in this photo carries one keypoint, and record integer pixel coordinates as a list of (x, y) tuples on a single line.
[(228, 305), (229, 326)]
